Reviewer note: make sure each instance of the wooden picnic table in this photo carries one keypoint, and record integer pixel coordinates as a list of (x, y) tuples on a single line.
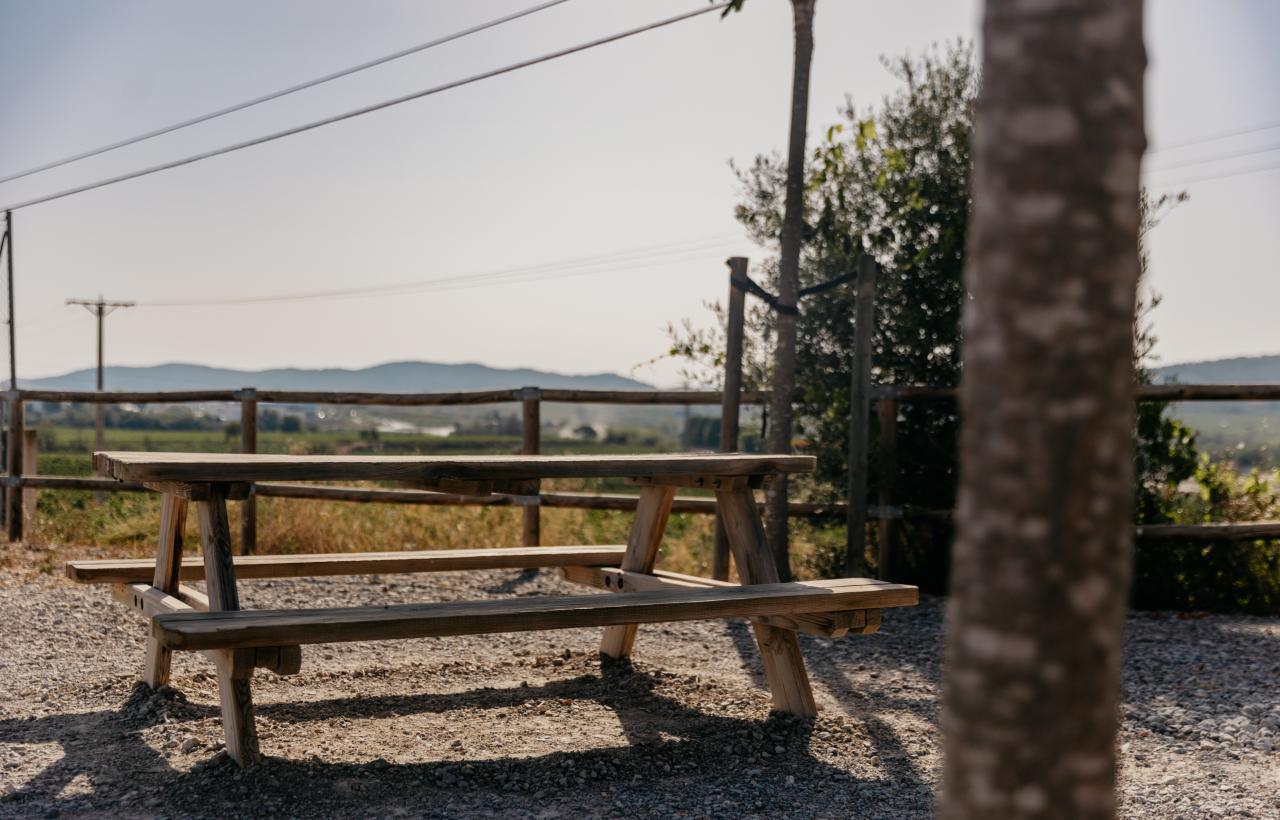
[(238, 641)]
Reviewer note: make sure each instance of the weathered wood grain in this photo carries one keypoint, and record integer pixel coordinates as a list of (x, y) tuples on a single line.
[(132, 570), (823, 625), (173, 519), (220, 581), (647, 530), (779, 650), (236, 467), (186, 631)]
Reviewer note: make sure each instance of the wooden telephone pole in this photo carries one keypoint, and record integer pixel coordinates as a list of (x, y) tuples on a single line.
[(100, 308)]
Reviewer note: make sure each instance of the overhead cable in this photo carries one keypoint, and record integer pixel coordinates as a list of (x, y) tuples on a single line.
[(275, 95), (368, 108)]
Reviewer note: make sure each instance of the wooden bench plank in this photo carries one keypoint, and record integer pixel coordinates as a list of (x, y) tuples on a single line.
[(214, 630), (134, 570), (823, 625), (233, 467)]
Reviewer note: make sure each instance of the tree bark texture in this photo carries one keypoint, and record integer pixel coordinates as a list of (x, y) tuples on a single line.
[(784, 366), (1043, 550)]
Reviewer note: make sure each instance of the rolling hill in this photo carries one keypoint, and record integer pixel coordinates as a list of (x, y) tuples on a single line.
[(393, 377)]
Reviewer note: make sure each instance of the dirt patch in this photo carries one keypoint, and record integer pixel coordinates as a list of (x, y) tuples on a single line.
[(529, 725)]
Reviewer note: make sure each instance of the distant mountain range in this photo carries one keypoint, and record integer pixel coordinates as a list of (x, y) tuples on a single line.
[(394, 377), (1242, 370), (423, 377)]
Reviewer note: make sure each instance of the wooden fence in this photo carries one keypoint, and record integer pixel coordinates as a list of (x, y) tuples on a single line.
[(884, 399), (18, 475)]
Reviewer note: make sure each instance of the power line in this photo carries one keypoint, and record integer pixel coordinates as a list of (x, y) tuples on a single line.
[(1204, 160), (275, 95), (370, 108), (600, 263), (1173, 146), (1226, 175)]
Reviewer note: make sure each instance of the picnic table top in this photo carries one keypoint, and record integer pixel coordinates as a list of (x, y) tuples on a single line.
[(236, 467)]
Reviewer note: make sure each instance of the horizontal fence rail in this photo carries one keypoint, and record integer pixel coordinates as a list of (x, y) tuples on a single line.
[(886, 396)]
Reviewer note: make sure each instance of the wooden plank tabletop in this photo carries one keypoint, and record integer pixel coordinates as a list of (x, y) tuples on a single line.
[(220, 467)]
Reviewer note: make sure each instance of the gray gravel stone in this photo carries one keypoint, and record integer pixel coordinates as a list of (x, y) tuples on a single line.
[(526, 725)]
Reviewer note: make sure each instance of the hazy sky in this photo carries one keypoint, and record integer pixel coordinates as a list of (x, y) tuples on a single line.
[(615, 160)]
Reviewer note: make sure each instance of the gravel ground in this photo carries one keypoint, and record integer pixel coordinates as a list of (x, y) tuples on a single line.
[(528, 725)]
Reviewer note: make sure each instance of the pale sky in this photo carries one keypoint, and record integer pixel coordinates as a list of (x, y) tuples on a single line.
[(615, 159)]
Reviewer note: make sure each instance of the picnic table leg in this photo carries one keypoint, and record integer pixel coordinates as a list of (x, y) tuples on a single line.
[(173, 519), (779, 649), (220, 583), (642, 550)]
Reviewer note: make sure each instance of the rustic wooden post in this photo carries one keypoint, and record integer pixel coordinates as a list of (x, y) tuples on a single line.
[(30, 466), (13, 492), (732, 396), (887, 528), (531, 444), (855, 560), (249, 444)]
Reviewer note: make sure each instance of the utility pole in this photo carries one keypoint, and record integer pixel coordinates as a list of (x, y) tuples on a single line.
[(100, 308)]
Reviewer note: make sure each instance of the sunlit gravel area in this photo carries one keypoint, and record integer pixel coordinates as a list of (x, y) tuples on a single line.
[(528, 725)]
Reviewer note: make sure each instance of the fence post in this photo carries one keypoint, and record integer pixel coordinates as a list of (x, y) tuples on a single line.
[(887, 528), (531, 444), (13, 490), (249, 444), (30, 466), (732, 396), (864, 310)]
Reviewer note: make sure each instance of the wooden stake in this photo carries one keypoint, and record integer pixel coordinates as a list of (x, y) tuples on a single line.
[(30, 466), (531, 444), (855, 561), (249, 444), (13, 493), (729, 408), (887, 528)]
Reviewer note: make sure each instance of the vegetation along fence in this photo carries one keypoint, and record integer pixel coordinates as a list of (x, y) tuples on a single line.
[(884, 399)]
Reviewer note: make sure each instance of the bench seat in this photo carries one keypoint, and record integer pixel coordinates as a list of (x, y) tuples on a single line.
[(141, 570), (252, 628)]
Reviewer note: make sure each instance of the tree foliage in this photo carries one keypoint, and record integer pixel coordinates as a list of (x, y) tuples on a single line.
[(893, 180)]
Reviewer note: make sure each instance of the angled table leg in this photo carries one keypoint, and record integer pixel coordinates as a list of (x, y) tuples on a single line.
[(647, 529), (220, 581), (173, 519), (783, 663)]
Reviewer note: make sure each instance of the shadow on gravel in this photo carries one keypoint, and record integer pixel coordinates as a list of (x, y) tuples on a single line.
[(864, 704), (679, 760), (513, 584), (131, 765)]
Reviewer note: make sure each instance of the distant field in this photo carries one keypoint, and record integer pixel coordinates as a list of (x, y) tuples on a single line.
[(68, 450), (1246, 433)]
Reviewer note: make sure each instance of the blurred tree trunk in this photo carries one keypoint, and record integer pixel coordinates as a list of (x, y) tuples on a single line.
[(784, 366), (1042, 558)]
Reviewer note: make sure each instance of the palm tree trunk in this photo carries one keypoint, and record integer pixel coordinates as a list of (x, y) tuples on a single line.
[(1040, 574), (784, 366)]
